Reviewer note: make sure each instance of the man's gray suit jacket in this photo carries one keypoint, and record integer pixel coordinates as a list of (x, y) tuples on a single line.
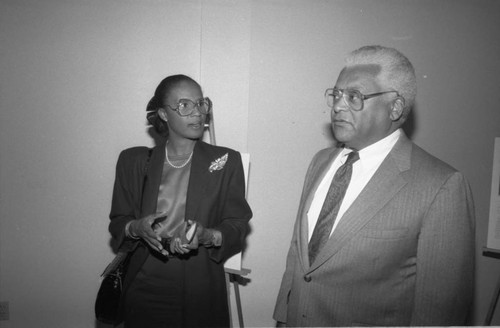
[(402, 254)]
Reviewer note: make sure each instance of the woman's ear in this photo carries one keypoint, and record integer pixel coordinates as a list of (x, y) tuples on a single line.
[(398, 106), (162, 114)]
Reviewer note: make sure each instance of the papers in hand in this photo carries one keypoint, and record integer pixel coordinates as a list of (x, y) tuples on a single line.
[(190, 232)]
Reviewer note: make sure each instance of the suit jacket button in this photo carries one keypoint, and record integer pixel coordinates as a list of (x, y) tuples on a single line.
[(307, 278)]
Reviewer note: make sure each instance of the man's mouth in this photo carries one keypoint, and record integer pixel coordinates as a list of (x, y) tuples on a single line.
[(341, 122)]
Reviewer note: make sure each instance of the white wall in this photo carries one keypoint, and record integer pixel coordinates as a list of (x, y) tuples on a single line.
[(75, 79), (75, 76)]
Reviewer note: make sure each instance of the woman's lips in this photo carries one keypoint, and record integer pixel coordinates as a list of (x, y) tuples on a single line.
[(196, 125)]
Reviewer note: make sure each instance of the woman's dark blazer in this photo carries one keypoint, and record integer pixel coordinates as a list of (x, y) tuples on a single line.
[(215, 198)]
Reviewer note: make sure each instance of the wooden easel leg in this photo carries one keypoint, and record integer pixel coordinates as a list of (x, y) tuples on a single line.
[(493, 305), (238, 300), (228, 285)]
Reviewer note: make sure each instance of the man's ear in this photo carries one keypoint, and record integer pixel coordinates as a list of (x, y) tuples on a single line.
[(162, 114), (397, 111)]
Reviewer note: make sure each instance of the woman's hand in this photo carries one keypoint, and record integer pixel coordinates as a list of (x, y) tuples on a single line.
[(142, 229), (203, 237), (179, 235)]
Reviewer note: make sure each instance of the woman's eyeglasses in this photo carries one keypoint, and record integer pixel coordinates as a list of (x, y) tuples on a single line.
[(186, 107)]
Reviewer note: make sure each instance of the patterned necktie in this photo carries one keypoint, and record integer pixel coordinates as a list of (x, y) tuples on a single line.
[(331, 206)]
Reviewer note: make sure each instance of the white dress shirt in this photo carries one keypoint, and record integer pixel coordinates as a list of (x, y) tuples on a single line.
[(363, 169)]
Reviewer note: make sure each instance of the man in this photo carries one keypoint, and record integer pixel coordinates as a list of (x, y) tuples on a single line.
[(398, 247)]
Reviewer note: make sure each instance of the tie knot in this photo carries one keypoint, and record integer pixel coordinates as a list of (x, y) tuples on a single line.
[(352, 157)]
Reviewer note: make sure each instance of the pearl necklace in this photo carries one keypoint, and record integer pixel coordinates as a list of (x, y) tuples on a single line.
[(177, 166)]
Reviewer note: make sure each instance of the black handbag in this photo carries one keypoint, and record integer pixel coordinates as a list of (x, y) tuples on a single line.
[(108, 298), (110, 292)]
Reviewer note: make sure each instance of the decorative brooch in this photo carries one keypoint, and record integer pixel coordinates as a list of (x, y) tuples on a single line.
[(218, 164)]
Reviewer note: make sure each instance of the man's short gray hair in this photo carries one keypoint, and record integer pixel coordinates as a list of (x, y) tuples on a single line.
[(397, 72)]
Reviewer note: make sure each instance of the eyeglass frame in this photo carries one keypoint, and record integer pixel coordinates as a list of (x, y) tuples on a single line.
[(196, 105), (362, 96)]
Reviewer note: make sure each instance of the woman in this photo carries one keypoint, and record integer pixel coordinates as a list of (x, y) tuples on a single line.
[(171, 281)]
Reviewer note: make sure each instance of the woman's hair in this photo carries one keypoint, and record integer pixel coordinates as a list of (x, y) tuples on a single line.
[(397, 72), (157, 102)]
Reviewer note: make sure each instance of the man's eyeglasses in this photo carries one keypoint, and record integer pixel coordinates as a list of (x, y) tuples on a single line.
[(186, 107), (353, 98)]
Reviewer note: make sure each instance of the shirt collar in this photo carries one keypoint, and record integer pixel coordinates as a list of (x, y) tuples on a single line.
[(379, 149)]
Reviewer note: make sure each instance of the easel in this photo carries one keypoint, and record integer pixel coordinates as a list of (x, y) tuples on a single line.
[(231, 273), (494, 300)]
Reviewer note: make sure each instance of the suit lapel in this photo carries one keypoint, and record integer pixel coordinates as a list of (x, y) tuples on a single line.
[(198, 179), (153, 180), (317, 174), (388, 178)]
